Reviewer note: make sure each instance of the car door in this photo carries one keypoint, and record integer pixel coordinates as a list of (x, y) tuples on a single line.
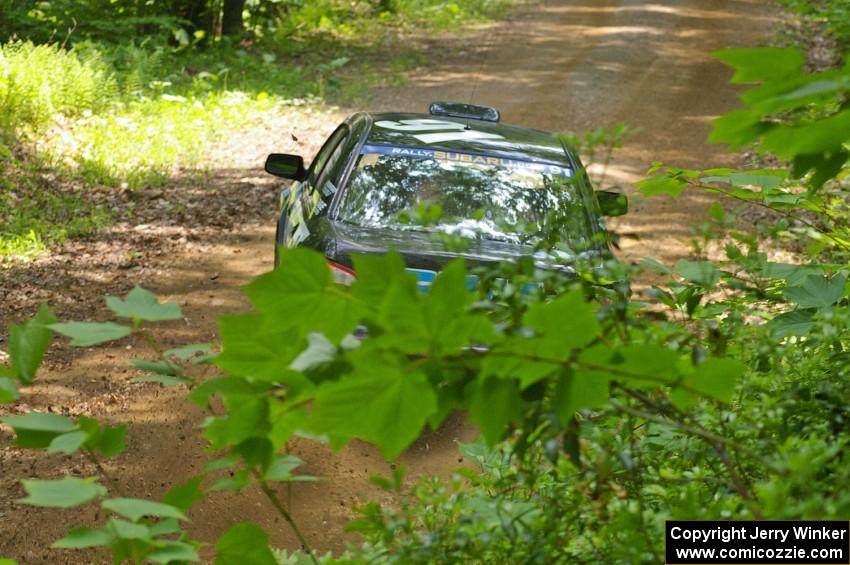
[(308, 200)]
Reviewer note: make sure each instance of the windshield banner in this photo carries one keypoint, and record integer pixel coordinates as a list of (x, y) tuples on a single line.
[(443, 155)]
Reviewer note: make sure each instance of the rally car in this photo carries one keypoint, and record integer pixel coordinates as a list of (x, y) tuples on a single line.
[(496, 184)]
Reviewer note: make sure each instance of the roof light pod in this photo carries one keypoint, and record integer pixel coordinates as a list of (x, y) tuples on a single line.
[(461, 110)]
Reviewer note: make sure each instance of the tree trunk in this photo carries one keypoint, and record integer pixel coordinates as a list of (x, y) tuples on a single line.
[(231, 20), (198, 13)]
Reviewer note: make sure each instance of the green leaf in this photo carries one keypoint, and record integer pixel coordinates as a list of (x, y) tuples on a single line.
[(495, 404), (188, 351), (227, 387), (395, 483), (447, 298), (569, 322), (282, 467), (128, 530), (7, 561), (173, 551), (110, 441), (700, 272), (64, 493), (792, 274), (286, 419), (82, 538), (165, 527), (184, 496), (84, 334), (256, 452), (510, 360), (37, 429), (762, 64), (67, 443), (376, 274), (655, 266), (716, 378), (822, 136), (645, 359), (825, 165), (737, 128), (466, 329), (163, 380), (401, 316), (28, 343), (259, 347), (158, 367), (8, 391), (250, 418), (641, 365), (237, 482), (217, 464), (765, 179), (244, 543), (579, 390), (796, 322), (142, 304), (300, 294), (135, 508), (662, 184), (817, 291), (379, 402)]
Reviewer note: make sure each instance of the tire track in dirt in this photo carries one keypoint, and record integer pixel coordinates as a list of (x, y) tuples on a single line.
[(557, 65)]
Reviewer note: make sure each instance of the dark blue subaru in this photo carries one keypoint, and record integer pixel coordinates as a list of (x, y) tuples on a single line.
[(497, 185)]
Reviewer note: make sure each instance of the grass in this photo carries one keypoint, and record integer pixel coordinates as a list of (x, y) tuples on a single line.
[(38, 82), (144, 142), (833, 14), (34, 215), (136, 113)]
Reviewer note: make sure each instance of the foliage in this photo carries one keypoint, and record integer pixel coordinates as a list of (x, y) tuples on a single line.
[(147, 141), (721, 395), (33, 217), (63, 83), (597, 146), (798, 117), (97, 133), (642, 458), (347, 19), (61, 20), (201, 21), (120, 93), (779, 113), (834, 13)]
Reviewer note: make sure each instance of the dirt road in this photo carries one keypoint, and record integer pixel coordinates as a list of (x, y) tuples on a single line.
[(577, 65), (556, 65)]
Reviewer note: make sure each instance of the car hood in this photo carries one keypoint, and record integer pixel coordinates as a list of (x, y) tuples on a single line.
[(420, 250)]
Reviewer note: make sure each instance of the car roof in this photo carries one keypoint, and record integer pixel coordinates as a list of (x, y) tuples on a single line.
[(471, 135)]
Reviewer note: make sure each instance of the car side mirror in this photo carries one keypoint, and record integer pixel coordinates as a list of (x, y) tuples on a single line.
[(612, 203), (286, 166)]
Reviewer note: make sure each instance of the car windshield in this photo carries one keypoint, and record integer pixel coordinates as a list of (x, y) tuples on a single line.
[(481, 196)]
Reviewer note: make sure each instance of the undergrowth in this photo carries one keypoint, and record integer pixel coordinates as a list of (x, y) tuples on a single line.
[(34, 215), (138, 103), (834, 15), (39, 81)]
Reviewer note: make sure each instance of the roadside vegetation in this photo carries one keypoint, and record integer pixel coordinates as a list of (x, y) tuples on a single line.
[(833, 15), (721, 392), (105, 95)]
